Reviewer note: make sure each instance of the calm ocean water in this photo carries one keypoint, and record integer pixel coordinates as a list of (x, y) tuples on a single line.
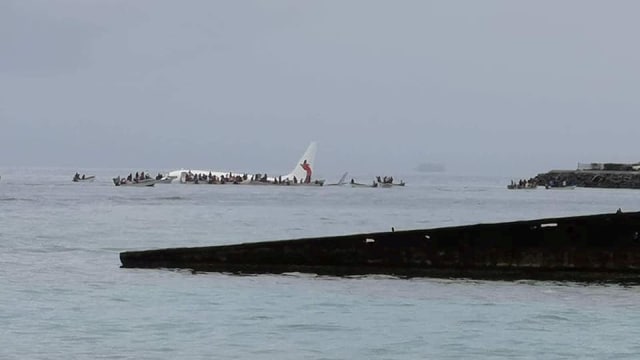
[(63, 295)]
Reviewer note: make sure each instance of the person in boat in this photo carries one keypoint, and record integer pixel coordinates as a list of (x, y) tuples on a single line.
[(83, 177), (352, 181)]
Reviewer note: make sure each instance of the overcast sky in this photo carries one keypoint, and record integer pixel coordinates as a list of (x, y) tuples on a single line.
[(507, 87)]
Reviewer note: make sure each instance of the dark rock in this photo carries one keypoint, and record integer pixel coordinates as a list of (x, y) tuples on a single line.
[(592, 178)]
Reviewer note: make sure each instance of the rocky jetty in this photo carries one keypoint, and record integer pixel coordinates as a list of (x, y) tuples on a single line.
[(622, 179)]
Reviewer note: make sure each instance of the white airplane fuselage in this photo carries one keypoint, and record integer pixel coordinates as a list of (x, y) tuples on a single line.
[(302, 173)]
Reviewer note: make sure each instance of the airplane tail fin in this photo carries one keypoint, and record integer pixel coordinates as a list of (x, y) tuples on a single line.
[(304, 168)]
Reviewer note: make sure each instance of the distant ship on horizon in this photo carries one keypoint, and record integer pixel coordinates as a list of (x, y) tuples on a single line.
[(430, 167)]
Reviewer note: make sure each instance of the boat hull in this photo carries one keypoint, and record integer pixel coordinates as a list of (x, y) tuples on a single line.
[(86, 179), (142, 183), (358, 185), (390, 185)]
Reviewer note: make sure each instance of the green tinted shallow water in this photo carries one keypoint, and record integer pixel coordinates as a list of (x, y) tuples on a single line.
[(64, 295)]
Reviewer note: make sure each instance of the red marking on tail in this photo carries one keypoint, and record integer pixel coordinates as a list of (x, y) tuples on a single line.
[(305, 165)]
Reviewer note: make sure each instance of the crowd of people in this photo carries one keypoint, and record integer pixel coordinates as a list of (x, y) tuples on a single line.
[(523, 184), (210, 178), (388, 180), (137, 178), (231, 178)]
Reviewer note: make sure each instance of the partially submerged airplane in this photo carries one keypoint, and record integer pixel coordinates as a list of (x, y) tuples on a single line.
[(301, 174)]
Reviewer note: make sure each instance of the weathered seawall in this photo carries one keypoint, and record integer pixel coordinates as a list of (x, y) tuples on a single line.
[(603, 247), (592, 178)]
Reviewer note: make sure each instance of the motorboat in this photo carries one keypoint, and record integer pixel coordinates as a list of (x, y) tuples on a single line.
[(83, 178), (360, 185), (389, 185), (387, 182), (560, 185), (117, 181), (165, 179), (521, 187), (565, 187)]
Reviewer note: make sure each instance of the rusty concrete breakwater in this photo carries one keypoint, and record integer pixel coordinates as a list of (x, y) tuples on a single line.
[(603, 247)]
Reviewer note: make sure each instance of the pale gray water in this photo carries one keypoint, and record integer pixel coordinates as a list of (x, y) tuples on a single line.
[(63, 295)]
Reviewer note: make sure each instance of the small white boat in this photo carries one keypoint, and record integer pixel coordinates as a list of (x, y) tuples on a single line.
[(166, 179), (360, 185), (357, 185), (117, 181), (560, 185), (387, 182), (389, 185), (84, 178), (566, 187), (522, 187)]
